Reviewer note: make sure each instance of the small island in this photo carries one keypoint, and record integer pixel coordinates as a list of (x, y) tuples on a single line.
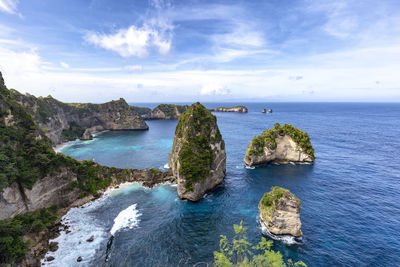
[(238, 109), (280, 212), (198, 158), (166, 112), (282, 144)]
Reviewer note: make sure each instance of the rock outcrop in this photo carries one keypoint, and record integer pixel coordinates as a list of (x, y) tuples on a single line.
[(166, 112), (264, 110), (282, 144), (280, 212), (65, 121), (62, 188), (239, 109), (198, 158), (1, 81)]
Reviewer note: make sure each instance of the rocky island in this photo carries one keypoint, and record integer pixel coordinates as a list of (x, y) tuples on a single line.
[(280, 212), (239, 109), (282, 144), (37, 185), (166, 112), (198, 158), (67, 121)]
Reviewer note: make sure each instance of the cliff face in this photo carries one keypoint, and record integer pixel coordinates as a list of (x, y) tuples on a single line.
[(166, 112), (280, 212), (239, 109), (281, 144), (198, 158), (62, 122), (62, 188)]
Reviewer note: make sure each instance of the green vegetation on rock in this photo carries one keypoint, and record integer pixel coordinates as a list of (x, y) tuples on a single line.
[(12, 246), (269, 201), (267, 138), (241, 253), (196, 155), (75, 131), (141, 110), (169, 109)]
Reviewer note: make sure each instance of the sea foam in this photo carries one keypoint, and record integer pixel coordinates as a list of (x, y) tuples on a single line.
[(128, 218), (286, 239)]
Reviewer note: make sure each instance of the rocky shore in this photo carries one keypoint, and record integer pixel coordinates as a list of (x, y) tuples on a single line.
[(280, 212)]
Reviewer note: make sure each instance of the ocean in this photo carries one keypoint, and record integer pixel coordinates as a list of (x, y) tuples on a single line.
[(350, 196)]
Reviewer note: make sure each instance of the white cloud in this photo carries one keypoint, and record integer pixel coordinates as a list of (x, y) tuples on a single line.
[(214, 89), (135, 41), (133, 68), (9, 6), (64, 65)]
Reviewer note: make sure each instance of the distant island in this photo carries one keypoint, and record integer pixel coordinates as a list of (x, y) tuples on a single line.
[(166, 112), (281, 144), (239, 109)]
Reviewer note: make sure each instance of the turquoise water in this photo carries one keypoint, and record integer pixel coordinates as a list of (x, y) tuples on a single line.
[(350, 196)]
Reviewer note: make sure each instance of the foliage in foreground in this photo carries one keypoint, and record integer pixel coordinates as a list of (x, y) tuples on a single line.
[(242, 253), (12, 246)]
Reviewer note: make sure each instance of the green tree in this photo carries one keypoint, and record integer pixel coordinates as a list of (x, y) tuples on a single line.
[(242, 253)]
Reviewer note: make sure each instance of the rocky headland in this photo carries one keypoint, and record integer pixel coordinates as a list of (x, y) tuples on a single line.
[(37, 185), (67, 121), (282, 144), (280, 212), (198, 158), (166, 112), (238, 109)]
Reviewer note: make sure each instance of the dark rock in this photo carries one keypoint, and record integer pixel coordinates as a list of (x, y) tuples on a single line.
[(79, 259), (50, 258), (90, 239), (53, 246), (1, 80)]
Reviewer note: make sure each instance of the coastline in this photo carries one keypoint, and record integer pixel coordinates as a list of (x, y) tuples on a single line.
[(55, 231)]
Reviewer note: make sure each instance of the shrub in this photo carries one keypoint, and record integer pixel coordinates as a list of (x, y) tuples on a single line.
[(240, 252)]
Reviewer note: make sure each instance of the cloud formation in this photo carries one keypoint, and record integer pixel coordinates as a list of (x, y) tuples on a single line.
[(9, 6)]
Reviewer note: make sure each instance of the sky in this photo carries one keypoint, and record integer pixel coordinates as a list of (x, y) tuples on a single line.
[(199, 50)]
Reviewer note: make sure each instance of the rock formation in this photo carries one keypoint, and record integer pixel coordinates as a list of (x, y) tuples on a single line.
[(33, 178), (280, 212), (264, 110), (282, 144), (1, 81), (239, 109), (166, 112), (62, 122), (198, 158), (269, 111)]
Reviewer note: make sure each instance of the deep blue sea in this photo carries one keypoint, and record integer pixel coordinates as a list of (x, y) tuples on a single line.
[(350, 195)]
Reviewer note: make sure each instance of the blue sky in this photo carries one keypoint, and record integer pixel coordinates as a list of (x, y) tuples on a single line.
[(178, 51)]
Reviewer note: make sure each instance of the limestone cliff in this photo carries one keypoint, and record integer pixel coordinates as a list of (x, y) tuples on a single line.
[(62, 122), (281, 144), (239, 109), (166, 112), (280, 212), (198, 158)]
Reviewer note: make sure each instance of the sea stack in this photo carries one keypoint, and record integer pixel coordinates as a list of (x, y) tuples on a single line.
[(198, 158), (269, 111), (238, 109), (1, 81), (280, 212), (282, 144), (264, 110)]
